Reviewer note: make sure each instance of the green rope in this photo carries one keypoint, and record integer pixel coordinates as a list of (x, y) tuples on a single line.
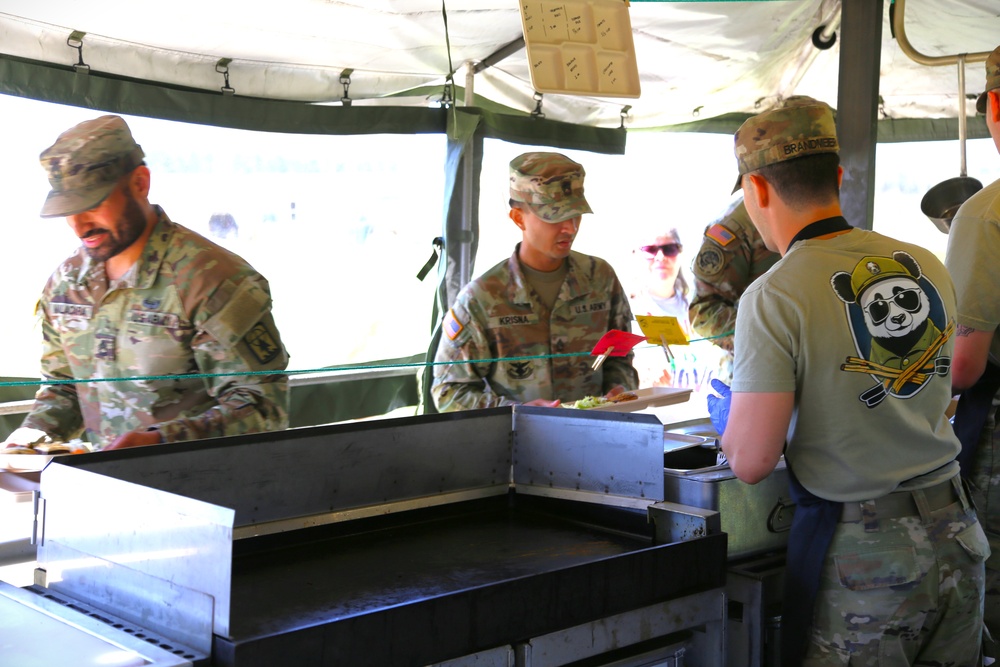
[(329, 369)]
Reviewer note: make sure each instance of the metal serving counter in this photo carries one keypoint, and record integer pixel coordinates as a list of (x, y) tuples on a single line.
[(417, 541)]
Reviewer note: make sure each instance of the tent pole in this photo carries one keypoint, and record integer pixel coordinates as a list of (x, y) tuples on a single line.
[(857, 106), (468, 174)]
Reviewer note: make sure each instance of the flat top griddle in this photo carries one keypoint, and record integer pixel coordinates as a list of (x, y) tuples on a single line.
[(455, 581), (333, 579)]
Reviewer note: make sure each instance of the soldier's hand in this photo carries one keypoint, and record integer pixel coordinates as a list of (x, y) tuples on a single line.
[(136, 439), (718, 406), (25, 437), (542, 403)]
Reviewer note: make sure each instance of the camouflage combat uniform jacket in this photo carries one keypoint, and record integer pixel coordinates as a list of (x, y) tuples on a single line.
[(732, 256), (499, 316), (187, 306)]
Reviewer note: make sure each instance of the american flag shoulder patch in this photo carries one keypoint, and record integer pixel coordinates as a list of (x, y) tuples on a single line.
[(452, 327), (720, 234)]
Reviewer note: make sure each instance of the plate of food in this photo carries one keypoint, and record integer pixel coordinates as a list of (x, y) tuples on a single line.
[(630, 401), (31, 458)]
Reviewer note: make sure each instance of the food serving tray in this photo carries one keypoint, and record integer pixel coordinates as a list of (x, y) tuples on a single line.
[(650, 397), (580, 47), (25, 462)]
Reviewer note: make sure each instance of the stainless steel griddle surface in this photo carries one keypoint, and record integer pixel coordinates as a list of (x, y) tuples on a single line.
[(446, 584)]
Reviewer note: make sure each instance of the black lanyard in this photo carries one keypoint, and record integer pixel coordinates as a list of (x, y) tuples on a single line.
[(819, 228)]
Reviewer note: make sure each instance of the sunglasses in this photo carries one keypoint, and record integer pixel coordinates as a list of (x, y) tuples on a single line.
[(668, 249), (907, 299)]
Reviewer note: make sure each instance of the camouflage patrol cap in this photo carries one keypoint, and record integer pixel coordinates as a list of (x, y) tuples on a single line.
[(550, 184), (992, 78), (798, 127), (85, 163), (871, 270)]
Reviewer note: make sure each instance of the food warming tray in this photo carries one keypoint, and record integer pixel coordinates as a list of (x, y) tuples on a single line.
[(756, 517)]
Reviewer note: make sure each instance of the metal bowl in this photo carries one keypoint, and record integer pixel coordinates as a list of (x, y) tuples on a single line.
[(942, 202)]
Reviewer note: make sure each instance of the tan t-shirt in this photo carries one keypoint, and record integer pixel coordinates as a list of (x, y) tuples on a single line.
[(859, 328), (973, 259)]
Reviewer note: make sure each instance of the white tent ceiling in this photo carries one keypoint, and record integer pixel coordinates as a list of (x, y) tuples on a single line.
[(696, 60)]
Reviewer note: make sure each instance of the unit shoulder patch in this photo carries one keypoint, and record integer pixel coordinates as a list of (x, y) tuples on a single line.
[(709, 262), (262, 343)]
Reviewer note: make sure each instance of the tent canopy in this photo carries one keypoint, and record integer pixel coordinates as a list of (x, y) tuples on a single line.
[(697, 61), (374, 66)]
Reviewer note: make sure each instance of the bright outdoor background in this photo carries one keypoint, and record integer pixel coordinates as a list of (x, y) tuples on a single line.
[(341, 225)]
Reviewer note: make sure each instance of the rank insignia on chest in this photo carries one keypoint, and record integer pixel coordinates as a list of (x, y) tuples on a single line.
[(720, 234), (519, 370), (104, 347)]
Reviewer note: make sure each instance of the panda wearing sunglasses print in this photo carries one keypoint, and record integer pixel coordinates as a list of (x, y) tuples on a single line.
[(898, 323)]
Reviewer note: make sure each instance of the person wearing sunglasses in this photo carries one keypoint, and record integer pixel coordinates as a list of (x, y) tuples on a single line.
[(534, 318), (665, 290)]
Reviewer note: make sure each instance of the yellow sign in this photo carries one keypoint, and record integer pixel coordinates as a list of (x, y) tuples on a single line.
[(662, 329)]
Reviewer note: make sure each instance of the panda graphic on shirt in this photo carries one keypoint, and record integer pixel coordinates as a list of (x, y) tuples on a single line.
[(898, 322)]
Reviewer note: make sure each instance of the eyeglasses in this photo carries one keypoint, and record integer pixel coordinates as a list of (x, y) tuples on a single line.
[(668, 249), (907, 299)]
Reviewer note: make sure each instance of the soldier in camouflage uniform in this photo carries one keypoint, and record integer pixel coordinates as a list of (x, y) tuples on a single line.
[(151, 301), (885, 558), (544, 302), (732, 256)]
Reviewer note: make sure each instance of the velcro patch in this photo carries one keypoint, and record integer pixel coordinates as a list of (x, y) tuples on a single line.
[(709, 261), (262, 343), (720, 234), (451, 326)]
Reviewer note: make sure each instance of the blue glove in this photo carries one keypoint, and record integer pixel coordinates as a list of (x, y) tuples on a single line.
[(718, 406)]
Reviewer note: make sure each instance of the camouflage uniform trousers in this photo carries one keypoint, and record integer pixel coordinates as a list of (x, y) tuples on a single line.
[(907, 592), (985, 483)]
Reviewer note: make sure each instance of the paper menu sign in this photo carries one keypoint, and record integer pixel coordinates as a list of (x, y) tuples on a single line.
[(618, 342), (660, 328)]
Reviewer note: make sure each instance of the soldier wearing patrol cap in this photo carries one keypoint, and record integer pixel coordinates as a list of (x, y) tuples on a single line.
[(842, 365), (534, 318), (972, 260), (145, 298)]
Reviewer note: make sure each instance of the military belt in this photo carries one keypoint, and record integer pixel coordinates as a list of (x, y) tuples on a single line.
[(902, 503)]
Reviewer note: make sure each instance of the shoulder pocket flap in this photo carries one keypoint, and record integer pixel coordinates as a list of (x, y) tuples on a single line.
[(248, 304)]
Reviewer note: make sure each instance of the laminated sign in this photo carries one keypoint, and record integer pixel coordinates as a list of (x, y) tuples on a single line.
[(662, 329), (580, 47)]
